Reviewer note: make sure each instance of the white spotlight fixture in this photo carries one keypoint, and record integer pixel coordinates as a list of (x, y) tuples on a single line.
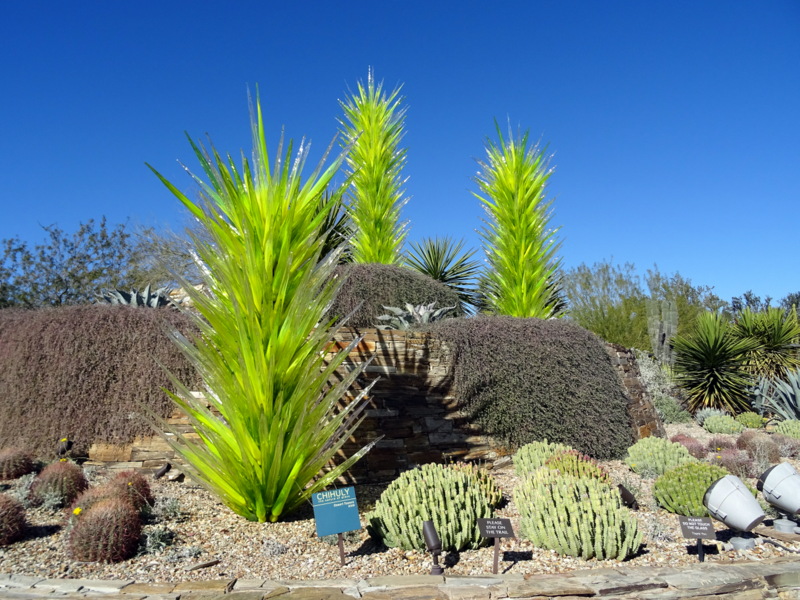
[(728, 500), (781, 488)]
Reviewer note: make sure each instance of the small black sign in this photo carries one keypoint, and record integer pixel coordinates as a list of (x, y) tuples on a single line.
[(495, 528), (700, 528)]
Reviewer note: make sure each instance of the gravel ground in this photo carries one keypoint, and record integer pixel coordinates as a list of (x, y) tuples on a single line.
[(205, 531)]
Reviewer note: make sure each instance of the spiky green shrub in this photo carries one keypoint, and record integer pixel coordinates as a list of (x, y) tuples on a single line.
[(484, 480), (109, 531), (134, 486), (722, 424), (776, 333), (520, 244), (532, 456), (98, 365), (581, 517), (264, 332), (701, 415), (711, 365), (778, 397), (367, 288), (12, 520), (451, 498), (574, 464), (750, 420), (15, 462), (681, 490), (652, 456), (670, 410), (64, 480), (523, 380), (371, 130), (790, 428)]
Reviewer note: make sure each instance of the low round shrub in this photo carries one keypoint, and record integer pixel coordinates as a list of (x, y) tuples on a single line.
[(719, 443), (576, 516), (789, 446), (722, 424), (681, 490), (760, 446), (452, 499), (109, 531), (574, 464), (701, 415), (695, 447), (532, 456), (736, 462), (12, 520), (59, 482), (751, 420), (652, 456), (15, 462), (789, 428)]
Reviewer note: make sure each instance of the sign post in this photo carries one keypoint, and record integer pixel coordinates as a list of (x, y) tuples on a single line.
[(495, 528), (336, 511), (699, 528)]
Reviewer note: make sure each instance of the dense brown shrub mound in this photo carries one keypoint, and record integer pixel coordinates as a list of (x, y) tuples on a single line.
[(379, 285), (84, 372), (525, 380)]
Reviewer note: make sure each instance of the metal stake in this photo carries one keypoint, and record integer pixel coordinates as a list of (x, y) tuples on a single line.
[(496, 555), (341, 549)]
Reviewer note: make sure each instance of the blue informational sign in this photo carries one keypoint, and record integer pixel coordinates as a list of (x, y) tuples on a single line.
[(336, 511)]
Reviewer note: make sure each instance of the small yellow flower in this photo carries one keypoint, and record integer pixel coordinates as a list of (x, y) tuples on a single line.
[(78, 510), (719, 456), (130, 483), (63, 460), (63, 440)]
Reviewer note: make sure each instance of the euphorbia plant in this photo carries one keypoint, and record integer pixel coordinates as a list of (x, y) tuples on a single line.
[(264, 334)]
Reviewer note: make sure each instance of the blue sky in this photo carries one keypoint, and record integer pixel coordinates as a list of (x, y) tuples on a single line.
[(674, 126)]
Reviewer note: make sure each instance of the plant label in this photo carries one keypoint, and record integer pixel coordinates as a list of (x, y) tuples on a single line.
[(699, 528), (495, 528), (335, 511)]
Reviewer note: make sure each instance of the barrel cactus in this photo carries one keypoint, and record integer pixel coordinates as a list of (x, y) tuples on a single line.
[(134, 486), (452, 499), (575, 464), (722, 424), (789, 428), (652, 456), (12, 519), (532, 456), (576, 516), (681, 490), (62, 481), (14, 463), (109, 531)]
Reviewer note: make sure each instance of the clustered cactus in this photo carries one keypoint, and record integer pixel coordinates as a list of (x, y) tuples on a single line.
[(722, 424), (575, 464), (652, 456), (576, 516), (681, 490), (750, 420), (532, 456), (14, 463), (12, 519), (789, 428), (59, 482), (483, 479), (452, 499), (109, 531)]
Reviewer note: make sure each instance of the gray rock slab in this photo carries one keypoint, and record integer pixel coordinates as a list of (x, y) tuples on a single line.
[(421, 592), (252, 594), (62, 586), (148, 589), (248, 584), (461, 580), (313, 593), (13, 580), (401, 581), (784, 580), (626, 585), (466, 592), (318, 583), (102, 585), (547, 585)]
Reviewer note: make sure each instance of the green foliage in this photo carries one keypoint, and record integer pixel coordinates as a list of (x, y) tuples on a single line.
[(96, 367), (366, 289), (581, 517), (653, 456), (441, 259), (156, 299), (710, 364), (776, 333), (701, 415), (62, 479), (108, 531), (681, 490), (574, 464), (524, 380), (12, 520), (15, 462), (371, 130), (520, 245), (671, 411), (412, 316), (722, 424), (778, 397), (750, 419), (264, 332), (530, 457), (484, 480), (789, 428), (451, 498)]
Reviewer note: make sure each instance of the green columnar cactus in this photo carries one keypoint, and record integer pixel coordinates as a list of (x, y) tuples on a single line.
[(484, 480), (789, 428), (581, 517), (722, 424), (652, 456), (15, 462), (681, 490), (575, 464), (532, 456), (452, 499), (662, 325)]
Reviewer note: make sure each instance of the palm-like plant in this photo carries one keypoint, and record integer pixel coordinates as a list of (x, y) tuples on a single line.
[(264, 335), (522, 279), (777, 333), (372, 129), (442, 259), (711, 365)]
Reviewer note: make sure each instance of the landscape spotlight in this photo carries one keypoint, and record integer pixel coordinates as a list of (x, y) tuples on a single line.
[(434, 545), (781, 488), (728, 500)]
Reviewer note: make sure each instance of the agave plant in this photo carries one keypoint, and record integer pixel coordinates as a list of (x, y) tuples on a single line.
[(711, 365), (778, 396), (405, 318), (371, 130), (442, 259), (522, 279), (264, 335), (777, 333), (156, 299)]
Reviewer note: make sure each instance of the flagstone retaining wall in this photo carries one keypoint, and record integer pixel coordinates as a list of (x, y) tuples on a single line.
[(411, 406)]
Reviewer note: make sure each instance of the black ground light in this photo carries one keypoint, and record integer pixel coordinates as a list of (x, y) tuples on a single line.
[(434, 545)]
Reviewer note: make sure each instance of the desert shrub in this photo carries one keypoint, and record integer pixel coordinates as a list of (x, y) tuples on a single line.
[(59, 483), (523, 380), (15, 462), (652, 456), (722, 424), (681, 490), (750, 420), (789, 446), (367, 288), (574, 464), (12, 519), (761, 448), (736, 462), (695, 447), (95, 365), (701, 415), (109, 531), (790, 428), (670, 410), (532, 456), (719, 443)]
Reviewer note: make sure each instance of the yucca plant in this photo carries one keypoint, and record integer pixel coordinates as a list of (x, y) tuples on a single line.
[(371, 130), (522, 279), (264, 333), (443, 259), (711, 365), (777, 333)]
